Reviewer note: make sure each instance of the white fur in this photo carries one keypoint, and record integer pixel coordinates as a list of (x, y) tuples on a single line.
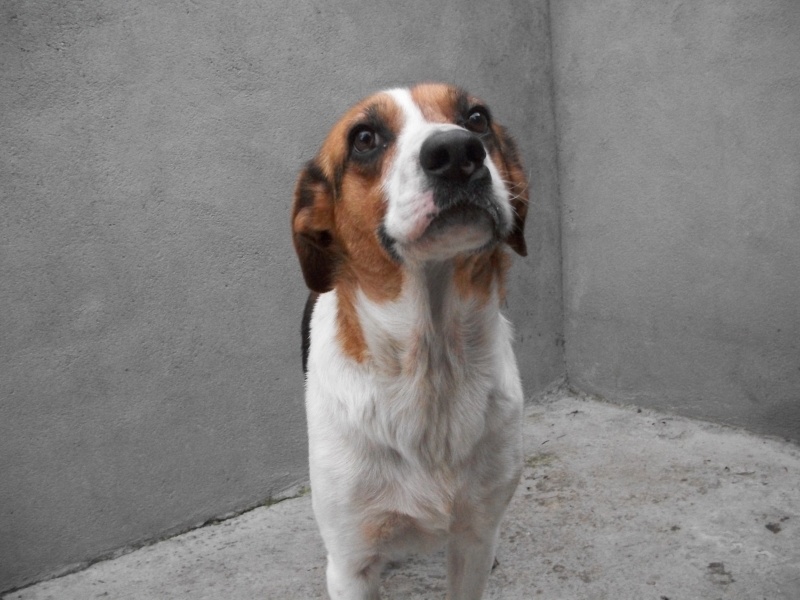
[(428, 427)]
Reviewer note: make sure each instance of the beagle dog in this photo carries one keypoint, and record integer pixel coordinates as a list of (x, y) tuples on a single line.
[(402, 224)]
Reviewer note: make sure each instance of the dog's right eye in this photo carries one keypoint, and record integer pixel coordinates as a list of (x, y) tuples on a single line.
[(365, 139), (478, 120)]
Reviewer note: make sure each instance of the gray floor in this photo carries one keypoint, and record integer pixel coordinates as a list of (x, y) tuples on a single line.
[(615, 503)]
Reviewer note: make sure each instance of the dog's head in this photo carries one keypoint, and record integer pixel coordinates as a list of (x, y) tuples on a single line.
[(408, 176)]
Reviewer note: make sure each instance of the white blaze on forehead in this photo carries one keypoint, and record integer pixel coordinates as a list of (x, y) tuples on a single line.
[(410, 206), (412, 113)]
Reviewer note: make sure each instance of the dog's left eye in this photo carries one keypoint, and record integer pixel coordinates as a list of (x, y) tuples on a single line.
[(365, 139), (478, 121)]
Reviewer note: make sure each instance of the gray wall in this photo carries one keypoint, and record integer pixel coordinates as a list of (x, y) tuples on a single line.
[(149, 355), (150, 301), (679, 163)]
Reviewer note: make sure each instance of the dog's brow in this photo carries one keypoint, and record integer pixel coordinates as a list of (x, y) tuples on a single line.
[(463, 103), (408, 107), (373, 112)]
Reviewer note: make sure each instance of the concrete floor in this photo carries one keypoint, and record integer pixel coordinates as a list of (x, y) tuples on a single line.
[(615, 503)]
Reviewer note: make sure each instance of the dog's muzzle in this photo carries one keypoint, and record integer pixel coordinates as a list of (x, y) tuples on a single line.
[(454, 161)]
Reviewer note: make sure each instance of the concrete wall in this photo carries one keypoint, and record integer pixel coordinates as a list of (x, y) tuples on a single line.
[(679, 137), (149, 357)]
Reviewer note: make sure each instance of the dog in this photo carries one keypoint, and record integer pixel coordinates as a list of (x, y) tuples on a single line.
[(402, 224)]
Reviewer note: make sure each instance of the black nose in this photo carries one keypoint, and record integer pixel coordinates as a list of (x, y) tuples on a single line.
[(454, 154)]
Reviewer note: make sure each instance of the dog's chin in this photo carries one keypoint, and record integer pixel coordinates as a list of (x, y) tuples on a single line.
[(464, 229)]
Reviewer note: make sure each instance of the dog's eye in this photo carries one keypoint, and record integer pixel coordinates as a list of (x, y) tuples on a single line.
[(478, 121), (365, 139)]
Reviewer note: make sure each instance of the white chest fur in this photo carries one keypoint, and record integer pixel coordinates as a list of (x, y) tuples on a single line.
[(404, 427)]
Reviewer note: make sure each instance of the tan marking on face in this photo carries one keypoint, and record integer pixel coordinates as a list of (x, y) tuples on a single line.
[(437, 101), (358, 212)]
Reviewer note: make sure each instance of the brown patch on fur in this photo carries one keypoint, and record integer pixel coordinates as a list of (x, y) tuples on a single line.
[(506, 157), (437, 101), (478, 274), (338, 209), (411, 357), (387, 527), (359, 214), (312, 222), (349, 331)]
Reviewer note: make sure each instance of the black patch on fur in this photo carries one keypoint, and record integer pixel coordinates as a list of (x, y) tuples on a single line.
[(315, 249), (305, 327), (311, 175)]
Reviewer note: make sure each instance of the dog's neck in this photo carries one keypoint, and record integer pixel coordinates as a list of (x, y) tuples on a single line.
[(444, 313), (431, 353)]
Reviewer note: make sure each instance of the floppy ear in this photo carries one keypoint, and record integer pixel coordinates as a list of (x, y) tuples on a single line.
[(312, 228), (517, 185)]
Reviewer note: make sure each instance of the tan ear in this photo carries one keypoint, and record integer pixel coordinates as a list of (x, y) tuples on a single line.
[(517, 185), (312, 228)]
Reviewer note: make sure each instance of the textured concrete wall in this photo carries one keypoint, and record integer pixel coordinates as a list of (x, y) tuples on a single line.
[(149, 357), (679, 128)]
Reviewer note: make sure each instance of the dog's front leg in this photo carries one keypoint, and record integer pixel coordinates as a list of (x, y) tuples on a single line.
[(346, 581), (469, 561)]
